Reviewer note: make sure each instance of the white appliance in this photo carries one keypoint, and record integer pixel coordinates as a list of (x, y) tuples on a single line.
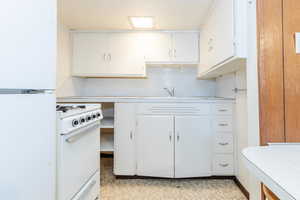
[(27, 99), (78, 144)]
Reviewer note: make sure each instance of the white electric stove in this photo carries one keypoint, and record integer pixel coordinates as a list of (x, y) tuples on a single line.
[(78, 144)]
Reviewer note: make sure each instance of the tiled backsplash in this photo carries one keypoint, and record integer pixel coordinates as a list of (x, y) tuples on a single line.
[(183, 79)]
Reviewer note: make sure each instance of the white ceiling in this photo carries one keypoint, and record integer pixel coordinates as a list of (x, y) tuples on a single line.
[(113, 14)]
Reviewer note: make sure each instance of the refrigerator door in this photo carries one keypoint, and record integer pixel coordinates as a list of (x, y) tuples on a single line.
[(28, 44), (27, 146)]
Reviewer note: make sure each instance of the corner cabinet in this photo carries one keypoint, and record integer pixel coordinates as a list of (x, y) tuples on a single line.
[(125, 54), (223, 39)]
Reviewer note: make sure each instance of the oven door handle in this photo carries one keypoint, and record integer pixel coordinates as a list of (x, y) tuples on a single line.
[(85, 190), (71, 137)]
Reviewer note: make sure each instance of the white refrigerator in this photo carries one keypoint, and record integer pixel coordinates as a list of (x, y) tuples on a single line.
[(27, 99)]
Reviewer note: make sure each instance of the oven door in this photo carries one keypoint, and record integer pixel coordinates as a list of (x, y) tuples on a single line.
[(79, 159)]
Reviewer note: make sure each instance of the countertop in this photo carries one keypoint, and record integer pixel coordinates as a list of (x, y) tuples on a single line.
[(144, 99), (278, 167)]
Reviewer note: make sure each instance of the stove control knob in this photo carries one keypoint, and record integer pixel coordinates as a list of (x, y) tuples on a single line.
[(82, 120), (98, 115), (88, 118), (94, 116), (75, 123)]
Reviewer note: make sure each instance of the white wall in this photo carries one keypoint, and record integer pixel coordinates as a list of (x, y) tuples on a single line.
[(65, 84), (183, 79)]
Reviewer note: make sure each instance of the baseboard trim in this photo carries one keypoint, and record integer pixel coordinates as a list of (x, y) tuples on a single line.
[(242, 188), (151, 177)]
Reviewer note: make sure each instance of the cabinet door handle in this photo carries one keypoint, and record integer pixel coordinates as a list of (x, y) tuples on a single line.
[(223, 144), (170, 136), (170, 53), (131, 135), (109, 55), (178, 136), (223, 124), (104, 57), (224, 165), (175, 53)]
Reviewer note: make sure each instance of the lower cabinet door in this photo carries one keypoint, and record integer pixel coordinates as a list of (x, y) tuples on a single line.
[(124, 140), (155, 146), (193, 146)]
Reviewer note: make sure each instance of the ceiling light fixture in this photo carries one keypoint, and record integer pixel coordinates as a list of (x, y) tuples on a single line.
[(142, 22)]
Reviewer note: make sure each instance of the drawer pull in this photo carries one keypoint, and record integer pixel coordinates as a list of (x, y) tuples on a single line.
[(223, 144), (223, 124), (222, 110), (224, 165)]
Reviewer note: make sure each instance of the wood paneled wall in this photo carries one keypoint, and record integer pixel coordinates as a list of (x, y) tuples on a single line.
[(291, 25), (279, 70), (270, 58)]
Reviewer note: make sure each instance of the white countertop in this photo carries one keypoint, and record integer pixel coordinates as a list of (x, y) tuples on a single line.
[(278, 167), (123, 99)]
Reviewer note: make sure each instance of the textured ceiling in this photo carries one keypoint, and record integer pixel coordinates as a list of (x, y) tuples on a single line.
[(113, 14)]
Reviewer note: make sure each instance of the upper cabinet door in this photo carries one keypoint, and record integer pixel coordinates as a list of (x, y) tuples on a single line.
[(155, 146), (28, 44), (186, 47), (206, 49), (126, 55), (193, 146), (90, 53), (223, 41), (158, 47)]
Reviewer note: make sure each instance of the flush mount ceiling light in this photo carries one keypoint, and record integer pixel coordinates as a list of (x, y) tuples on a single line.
[(142, 22)]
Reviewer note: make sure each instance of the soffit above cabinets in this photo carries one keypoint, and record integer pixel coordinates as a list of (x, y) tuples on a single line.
[(113, 14)]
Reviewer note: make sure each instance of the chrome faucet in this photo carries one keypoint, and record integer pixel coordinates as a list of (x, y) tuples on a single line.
[(171, 91)]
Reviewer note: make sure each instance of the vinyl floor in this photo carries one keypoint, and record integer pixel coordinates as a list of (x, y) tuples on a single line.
[(164, 189)]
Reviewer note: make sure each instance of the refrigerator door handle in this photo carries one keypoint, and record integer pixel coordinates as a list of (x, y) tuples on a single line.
[(25, 91)]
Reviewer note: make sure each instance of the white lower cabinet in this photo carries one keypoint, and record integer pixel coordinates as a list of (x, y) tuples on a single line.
[(224, 146), (155, 146), (193, 141), (223, 164), (160, 140), (124, 140)]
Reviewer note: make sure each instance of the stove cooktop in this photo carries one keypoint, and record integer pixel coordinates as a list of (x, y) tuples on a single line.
[(66, 108)]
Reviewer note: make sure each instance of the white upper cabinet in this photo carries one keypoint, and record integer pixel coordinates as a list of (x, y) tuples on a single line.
[(185, 47), (125, 54), (158, 47), (172, 47), (223, 38), (90, 53), (107, 55)]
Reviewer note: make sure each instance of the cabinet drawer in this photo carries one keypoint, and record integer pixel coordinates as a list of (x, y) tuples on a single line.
[(223, 124), (223, 109), (174, 108), (223, 143), (223, 165)]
